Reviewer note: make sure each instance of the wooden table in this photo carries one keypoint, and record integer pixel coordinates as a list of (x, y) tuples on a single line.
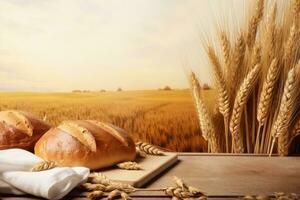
[(224, 176)]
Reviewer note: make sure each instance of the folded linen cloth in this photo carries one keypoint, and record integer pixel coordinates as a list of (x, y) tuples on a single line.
[(15, 165)]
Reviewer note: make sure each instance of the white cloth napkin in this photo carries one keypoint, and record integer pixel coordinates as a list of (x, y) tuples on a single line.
[(15, 165)]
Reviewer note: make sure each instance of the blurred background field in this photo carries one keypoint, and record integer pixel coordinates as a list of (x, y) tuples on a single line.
[(164, 118)]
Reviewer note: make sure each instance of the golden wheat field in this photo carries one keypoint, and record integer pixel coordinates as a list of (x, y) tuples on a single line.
[(164, 118)]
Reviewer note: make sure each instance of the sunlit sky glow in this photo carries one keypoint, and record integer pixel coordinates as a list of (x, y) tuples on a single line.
[(50, 45)]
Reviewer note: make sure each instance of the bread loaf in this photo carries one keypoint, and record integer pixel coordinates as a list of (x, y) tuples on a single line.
[(20, 130), (86, 143)]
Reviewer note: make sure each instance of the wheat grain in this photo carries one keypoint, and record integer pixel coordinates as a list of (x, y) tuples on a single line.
[(125, 196), (177, 192), (254, 21), (194, 191), (285, 111), (114, 194), (256, 55), (240, 101), (94, 195), (180, 183), (267, 93), (148, 148), (93, 186), (45, 165), (140, 153), (129, 165), (98, 178)]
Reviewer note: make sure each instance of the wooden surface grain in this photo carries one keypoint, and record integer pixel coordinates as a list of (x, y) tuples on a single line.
[(226, 176)]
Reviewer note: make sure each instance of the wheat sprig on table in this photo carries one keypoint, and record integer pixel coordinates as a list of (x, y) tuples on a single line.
[(44, 165), (94, 194), (149, 148), (129, 165)]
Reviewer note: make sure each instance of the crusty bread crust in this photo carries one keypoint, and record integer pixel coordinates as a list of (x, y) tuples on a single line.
[(20, 130), (65, 149)]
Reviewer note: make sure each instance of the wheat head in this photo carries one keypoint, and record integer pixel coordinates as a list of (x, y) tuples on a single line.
[(280, 127), (254, 22), (221, 83), (267, 93), (241, 99), (205, 121), (226, 51)]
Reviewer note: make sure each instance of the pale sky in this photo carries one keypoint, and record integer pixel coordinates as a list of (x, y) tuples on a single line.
[(61, 45)]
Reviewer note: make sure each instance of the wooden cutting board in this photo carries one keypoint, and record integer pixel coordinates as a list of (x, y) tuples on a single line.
[(152, 167)]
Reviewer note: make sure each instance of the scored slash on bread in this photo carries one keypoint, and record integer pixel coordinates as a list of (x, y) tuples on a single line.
[(109, 130), (18, 120), (80, 133)]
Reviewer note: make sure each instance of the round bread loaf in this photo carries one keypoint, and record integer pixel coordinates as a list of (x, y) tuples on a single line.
[(86, 143), (20, 130)]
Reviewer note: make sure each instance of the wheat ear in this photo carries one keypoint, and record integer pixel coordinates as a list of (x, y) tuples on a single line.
[(221, 83), (148, 148), (240, 101), (205, 121), (129, 165), (226, 50), (266, 96), (224, 107), (271, 32), (290, 47), (45, 165), (254, 22), (237, 60), (280, 127)]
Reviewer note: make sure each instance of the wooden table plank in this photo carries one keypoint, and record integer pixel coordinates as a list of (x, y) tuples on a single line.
[(226, 176), (236, 175)]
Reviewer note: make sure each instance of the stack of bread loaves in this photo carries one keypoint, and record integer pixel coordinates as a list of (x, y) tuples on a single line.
[(85, 143)]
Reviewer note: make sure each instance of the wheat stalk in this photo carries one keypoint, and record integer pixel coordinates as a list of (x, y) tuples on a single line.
[(254, 21), (240, 101), (280, 127), (129, 165), (206, 124), (45, 165)]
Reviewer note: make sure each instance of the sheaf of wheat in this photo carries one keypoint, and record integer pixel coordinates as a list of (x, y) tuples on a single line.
[(255, 88)]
